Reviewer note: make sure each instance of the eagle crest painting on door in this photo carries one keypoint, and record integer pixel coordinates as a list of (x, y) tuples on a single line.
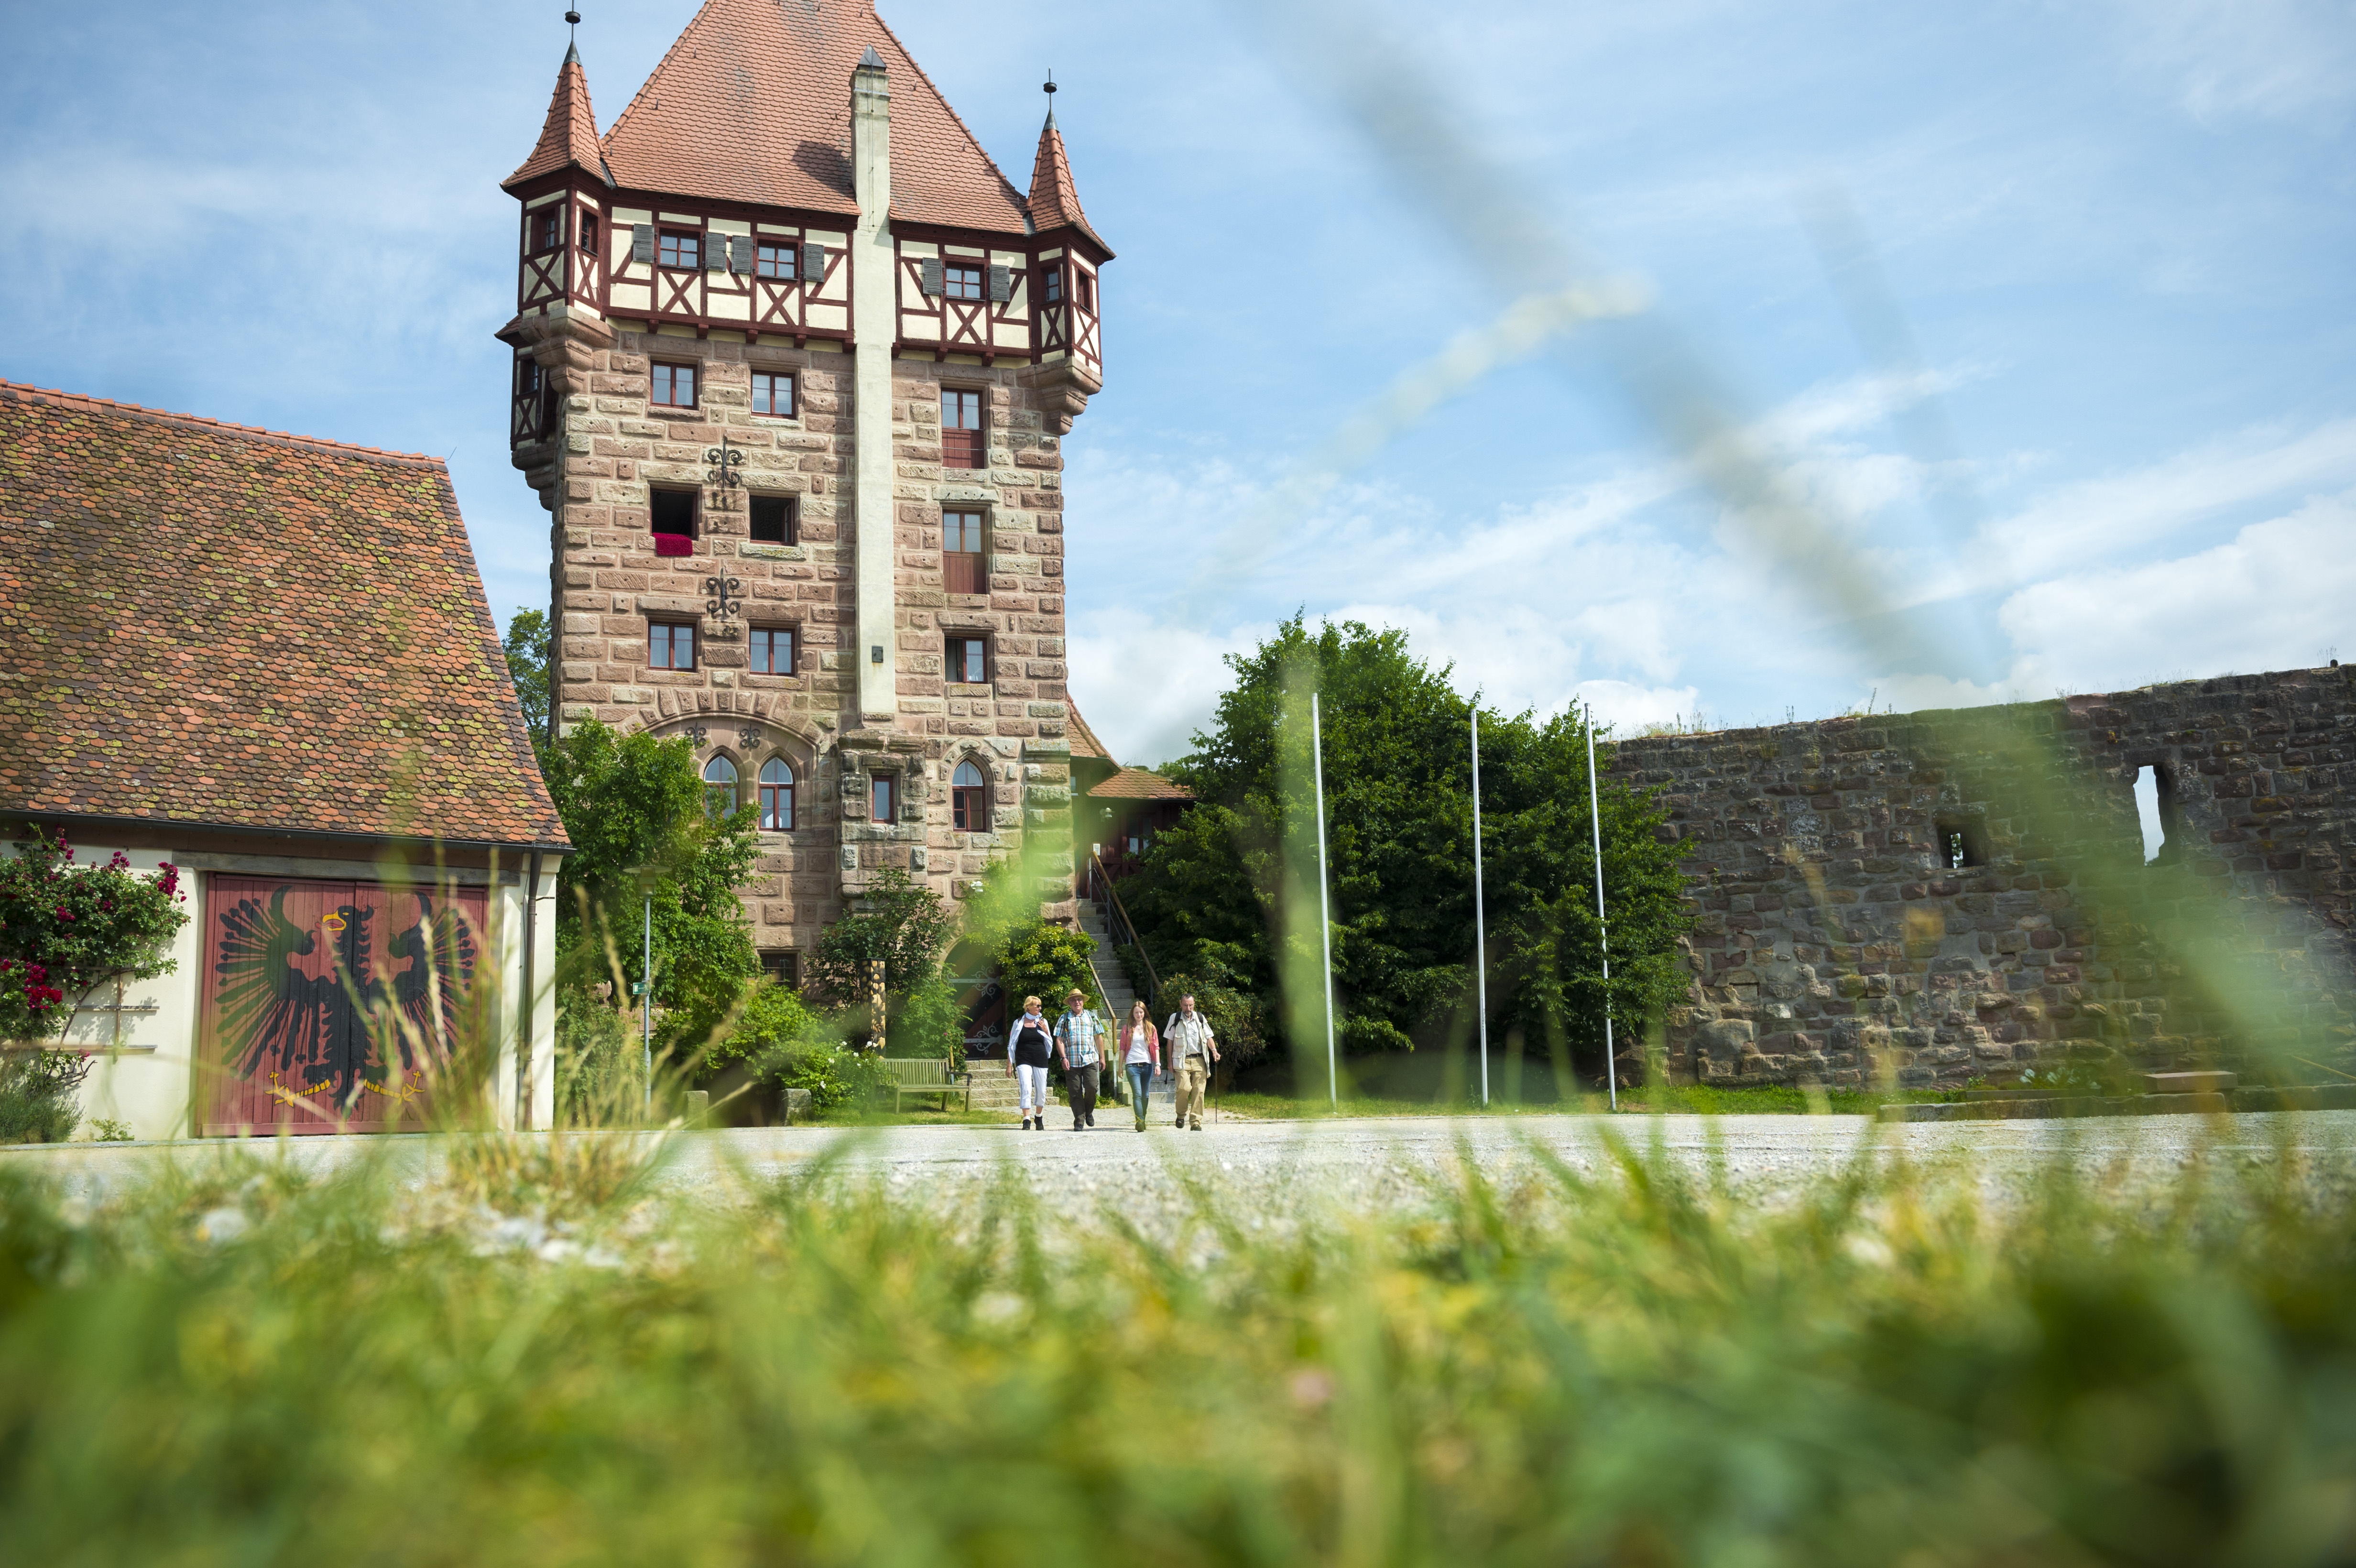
[(300, 977)]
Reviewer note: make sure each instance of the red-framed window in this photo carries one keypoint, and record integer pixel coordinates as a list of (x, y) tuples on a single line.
[(670, 386), (960, 283), (1086, 290), (546, 227), (962, 568), (774, 259), (777, 796), (772, 519), (961, 433), (670, 645), (968, 799), (883, 791), (968, 660), (589, 232), (773, 394), (677, 247), (772, 650)]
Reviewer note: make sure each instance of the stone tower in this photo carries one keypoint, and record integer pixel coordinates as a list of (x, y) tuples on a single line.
[(793, 359)]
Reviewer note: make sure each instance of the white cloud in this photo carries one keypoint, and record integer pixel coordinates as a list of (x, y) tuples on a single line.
[(2271, 58)]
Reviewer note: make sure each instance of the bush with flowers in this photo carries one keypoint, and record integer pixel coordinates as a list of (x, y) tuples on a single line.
[(65, 929)]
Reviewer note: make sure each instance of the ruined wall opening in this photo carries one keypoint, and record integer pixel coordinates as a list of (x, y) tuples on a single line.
[(1961, 841), (2155, 798)]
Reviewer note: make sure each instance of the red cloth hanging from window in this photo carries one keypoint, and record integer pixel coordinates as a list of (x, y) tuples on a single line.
[(674, 544)]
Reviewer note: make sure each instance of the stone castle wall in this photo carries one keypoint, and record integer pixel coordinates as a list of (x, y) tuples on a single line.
[(608, 583), (1834, 941)]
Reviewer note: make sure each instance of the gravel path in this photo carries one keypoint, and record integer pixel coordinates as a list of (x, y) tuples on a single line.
[(1357, 1161)]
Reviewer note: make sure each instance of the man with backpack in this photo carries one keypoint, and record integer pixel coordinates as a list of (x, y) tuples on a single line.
[(1193, 1049)]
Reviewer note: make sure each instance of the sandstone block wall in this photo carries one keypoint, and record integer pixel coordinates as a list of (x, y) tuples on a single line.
[(1835, 941)]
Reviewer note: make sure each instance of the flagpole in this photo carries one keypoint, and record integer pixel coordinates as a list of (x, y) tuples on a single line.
[(1602, 931), (1480, 921), (1324, 907)]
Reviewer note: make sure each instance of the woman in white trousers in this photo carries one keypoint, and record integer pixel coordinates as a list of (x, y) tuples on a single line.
[(1028, 1046)]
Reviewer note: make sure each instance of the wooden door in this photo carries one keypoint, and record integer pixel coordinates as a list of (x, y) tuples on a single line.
[(307, 986)]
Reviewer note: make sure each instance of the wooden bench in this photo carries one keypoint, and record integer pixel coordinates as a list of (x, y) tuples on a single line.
[(927, 1075)]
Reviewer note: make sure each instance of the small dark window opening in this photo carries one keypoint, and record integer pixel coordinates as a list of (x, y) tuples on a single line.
[(1088, 292), (772, 519), (674, 512), (782, 966), (550, 403), (548, 229), (1054, 289), (589, 232), (1961, 841), (968, 660), (2156, 813), (880, 797)]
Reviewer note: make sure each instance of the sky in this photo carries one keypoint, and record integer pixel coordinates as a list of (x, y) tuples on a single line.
[(1700, 362)]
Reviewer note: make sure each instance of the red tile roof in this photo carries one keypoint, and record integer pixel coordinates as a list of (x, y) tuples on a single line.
[(1083, 739), (211, 624), (569, 138), (1054, 200), (1140, 783), (753, 104)]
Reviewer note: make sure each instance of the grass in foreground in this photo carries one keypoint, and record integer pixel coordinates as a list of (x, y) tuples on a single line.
[(1695, 1099), (236, 1366)]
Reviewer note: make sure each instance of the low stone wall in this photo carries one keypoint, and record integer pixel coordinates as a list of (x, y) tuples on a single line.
[(1835, 940)]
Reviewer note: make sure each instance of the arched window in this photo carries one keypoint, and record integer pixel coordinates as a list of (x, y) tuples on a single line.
[(719, 786), (776, 796), (970, 799)]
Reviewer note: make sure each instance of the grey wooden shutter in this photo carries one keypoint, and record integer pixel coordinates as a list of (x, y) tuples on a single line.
[(1002, 284), (739, 254), (716, 252), (642, 244), (814, 264), (932, 285)]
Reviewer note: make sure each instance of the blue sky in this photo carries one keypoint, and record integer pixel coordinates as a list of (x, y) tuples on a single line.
[(2029, 322)]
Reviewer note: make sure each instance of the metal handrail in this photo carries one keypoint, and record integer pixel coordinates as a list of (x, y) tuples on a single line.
[(1097, 876)]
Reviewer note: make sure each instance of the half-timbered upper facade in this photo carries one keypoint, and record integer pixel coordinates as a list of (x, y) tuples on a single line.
[(792, 364)]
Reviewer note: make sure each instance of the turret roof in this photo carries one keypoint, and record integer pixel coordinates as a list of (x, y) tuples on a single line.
[(570, 135), (1054, 200), (753, 104)]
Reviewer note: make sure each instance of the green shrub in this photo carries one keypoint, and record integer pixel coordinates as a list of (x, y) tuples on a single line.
[(66, 928), (38, 1096), (836, 1075), (1042, 959), (600, 1065), (931, 1023)]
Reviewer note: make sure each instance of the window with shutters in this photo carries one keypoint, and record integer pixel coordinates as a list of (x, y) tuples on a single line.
[(719, 787), (548, 229), (775, 259), (968, 660), (961, 431), (777, 796), (773, 520), (675, 248), (773, 394), (772, 650), (961, 283), (962, 568), (970, 799), (672, 386), (670, 645), (883, 790)]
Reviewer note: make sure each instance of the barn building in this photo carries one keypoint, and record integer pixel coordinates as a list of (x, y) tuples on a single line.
[(793, 361), (267, 660)]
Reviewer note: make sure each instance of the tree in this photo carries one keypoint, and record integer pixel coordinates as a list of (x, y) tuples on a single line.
[(527, 648), (1400, 845), (899, 924), (632, 801)]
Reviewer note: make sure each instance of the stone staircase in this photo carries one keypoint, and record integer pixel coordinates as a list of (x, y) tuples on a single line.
[(1113, 980)]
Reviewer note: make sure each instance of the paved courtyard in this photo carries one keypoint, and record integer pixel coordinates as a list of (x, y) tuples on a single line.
[(1357, 1161)]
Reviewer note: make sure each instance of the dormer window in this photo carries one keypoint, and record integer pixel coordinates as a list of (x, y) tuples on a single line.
[(674, 248)]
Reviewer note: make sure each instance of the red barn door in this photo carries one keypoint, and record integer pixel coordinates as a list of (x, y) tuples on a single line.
[(306, 988)]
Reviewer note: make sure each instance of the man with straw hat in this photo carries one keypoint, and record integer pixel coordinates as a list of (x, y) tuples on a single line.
[(1075, 1047)]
